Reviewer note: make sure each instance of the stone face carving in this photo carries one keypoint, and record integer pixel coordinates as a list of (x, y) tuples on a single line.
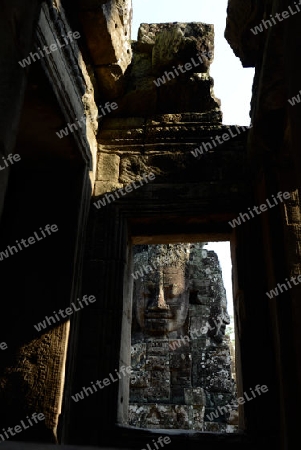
[(180, 357), (162, 296)]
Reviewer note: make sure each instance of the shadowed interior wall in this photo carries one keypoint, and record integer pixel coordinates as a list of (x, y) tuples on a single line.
[(46, 186), (18, 22), (274, 155)]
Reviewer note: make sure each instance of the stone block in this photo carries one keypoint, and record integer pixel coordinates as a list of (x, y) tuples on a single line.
[(174, 43), (198, 371), (182, 417), (111, 81), (221, 360), (202, 290), (222, 398), (199, 310), (168, 43), (137, 414), (215, 427), (141, 66), (181, 378), (158, 394), (233, 417), (195, 94), (139, 379), (105, 34), (195, 396), (146, 37), (157, 362), (180, 361), (138, 395), (204, 299), (218, 382), (177, 394), (160, 416), (200, 343), (198, 322), (160, 377), (108, 167), (157, 347), (138, 356), (196, 417), (179, 346), (132, 104), (132, 167), (103, 187)]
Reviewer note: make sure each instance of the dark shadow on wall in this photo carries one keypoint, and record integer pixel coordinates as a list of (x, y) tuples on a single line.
[(46, 186)]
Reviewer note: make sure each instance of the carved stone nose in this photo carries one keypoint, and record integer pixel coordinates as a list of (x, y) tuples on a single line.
[(159, 302)]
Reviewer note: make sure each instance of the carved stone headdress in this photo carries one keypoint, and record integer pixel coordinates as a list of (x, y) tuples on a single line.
[(159, 256)]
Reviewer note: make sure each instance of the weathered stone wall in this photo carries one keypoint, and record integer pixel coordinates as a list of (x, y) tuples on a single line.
[(275, 158), (50, 184), (161, 48), (107, 28), (153, 130)]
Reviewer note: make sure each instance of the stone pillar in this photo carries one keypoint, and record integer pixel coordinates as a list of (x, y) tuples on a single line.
[(105, 330), (274, 154)]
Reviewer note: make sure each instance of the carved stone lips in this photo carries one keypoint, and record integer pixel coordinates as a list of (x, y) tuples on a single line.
[(158, 315)]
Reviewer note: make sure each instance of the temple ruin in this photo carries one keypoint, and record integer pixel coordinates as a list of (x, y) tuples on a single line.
[(98, 141)]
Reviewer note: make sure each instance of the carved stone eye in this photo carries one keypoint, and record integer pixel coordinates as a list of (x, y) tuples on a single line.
[(150, 290), (170, 291)]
